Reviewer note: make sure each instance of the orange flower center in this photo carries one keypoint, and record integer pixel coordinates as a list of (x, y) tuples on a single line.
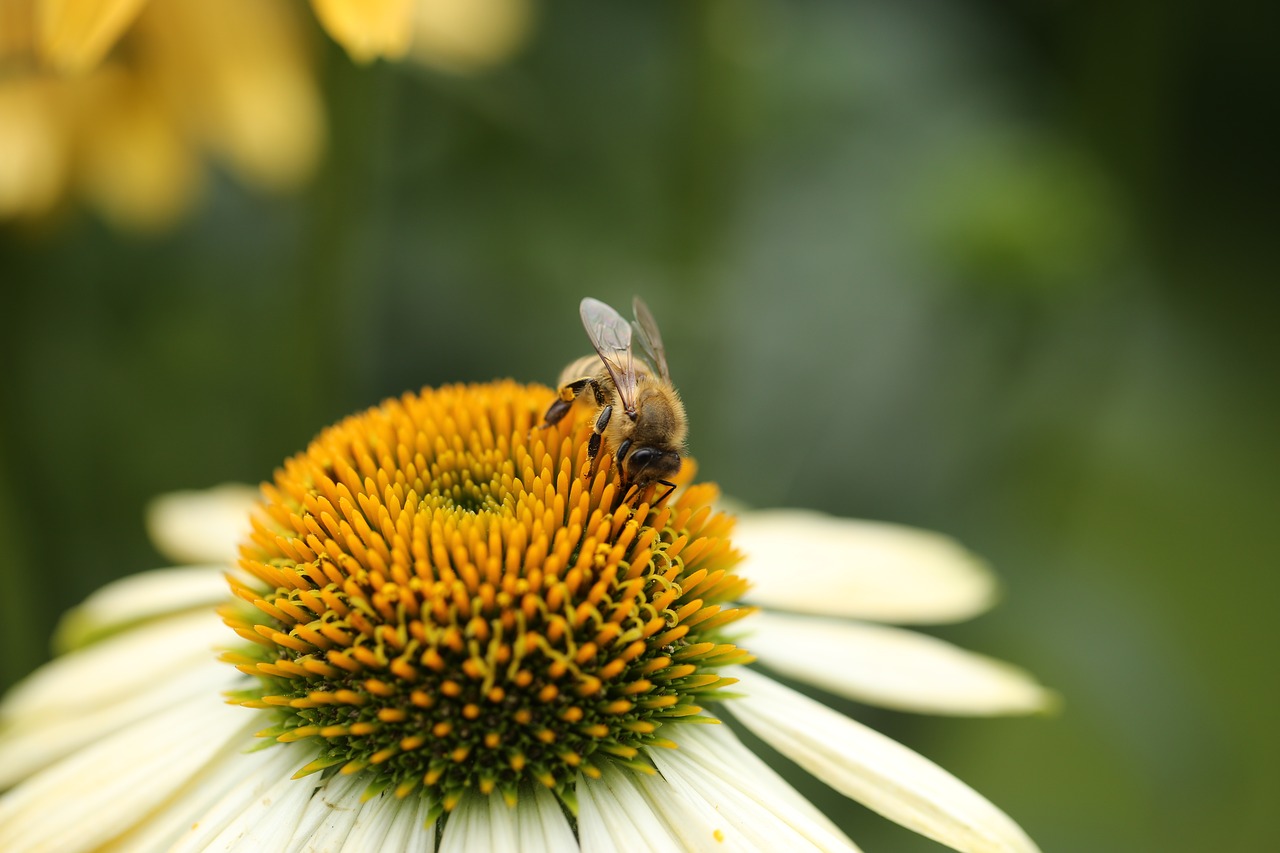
[(440, 597)]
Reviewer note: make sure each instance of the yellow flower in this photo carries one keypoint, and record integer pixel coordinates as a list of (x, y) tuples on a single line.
[(467, 36), (127, 129), (441, 629), (368, 29), (456, 34)]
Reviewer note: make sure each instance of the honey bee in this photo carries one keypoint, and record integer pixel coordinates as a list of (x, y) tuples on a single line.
[(639, 416)]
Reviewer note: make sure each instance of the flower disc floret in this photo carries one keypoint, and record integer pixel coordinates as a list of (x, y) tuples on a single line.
[(440, 593)]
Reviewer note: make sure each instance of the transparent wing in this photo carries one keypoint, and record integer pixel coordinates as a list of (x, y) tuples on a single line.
[(650, 338), (611, 336)]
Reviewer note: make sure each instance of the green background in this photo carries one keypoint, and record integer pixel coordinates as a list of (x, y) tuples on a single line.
[(1002, 270)]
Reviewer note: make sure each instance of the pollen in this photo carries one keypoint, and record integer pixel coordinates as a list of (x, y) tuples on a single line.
[(441, 593)]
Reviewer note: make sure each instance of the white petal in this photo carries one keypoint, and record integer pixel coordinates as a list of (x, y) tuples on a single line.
[(814, 563), (330, 815), (139, 598), (715, 795), (238, 762), (387, 823), (36, 741), (614, 816), (535, 825), (270, 823), (480, 823), (878, 772), (108, 788), (204, 526), (892, 667), (544, 826), (262, 812), (717, 750), (118, 667)]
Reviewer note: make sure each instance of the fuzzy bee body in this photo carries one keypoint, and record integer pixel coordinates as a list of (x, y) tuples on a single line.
[(639, 416)]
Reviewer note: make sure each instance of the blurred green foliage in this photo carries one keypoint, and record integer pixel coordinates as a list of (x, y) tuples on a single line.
[(1006, 272)]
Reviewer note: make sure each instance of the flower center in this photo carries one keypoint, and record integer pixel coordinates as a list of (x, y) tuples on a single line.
[(439, 596)]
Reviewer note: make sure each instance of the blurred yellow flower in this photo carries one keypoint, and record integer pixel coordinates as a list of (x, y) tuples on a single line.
[(457, 34), (127, 129), (465, 36), (368, 29), (453, 35)]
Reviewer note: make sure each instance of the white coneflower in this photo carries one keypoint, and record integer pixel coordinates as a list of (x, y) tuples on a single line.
[(445, 637)]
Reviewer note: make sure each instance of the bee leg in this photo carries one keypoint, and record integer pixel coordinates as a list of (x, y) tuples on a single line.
[(568, 396), (556, 413), (593, 443), (621, 457), (598, 392), (622, 452), (634, 495)]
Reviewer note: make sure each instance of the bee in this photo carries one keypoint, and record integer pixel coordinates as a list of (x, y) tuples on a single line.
[(639, 416)]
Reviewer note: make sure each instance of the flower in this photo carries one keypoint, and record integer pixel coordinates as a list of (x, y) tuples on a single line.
[(454, 35), (118, 101), (368, 29), (127, 129), (75, 35), (443, 631), (468, 36)]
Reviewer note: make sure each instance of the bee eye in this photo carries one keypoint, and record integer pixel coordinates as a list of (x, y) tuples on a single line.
[(643, 456)]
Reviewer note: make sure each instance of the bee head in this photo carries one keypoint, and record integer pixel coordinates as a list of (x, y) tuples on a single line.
[(649, 464)]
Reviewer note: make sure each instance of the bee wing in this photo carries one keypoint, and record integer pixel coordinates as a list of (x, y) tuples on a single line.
[(650, 337), (611, 336)]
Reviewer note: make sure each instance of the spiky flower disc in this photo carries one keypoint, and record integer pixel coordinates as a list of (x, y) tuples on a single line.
[(440, 597)]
